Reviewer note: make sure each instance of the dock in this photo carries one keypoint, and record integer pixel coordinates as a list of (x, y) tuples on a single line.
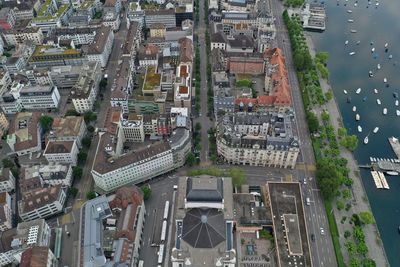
[(394, 142), (380, 180), (313, 16)]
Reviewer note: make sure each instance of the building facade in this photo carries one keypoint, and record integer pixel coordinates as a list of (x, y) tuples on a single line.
[(62, 152)]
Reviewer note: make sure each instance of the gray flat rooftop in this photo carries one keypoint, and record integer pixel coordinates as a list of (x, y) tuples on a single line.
[(291, 222), (286, 200)]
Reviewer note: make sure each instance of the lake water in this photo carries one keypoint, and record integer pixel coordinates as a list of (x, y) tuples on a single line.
[(378, 25)]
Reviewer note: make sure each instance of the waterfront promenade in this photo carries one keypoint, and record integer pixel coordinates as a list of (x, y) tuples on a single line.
[(360, 199)]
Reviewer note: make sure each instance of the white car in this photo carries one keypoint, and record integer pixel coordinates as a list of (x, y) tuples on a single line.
[(322, 231)]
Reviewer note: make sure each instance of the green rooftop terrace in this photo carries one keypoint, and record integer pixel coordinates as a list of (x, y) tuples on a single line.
[(58, 14), (47, 50), (152, 79)]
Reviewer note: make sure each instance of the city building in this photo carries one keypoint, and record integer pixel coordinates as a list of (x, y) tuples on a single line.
[(39, 97), (7, 180), (42, 202), (165, 16), (21, 33), (50, 174), (48, 55), (5, 80), (31, 234), (112, 20), (204, 223), (23, 10), (132, 127), (69, 128), (250, 63), (19, 58), (7, 18), (5, 212), (84, 92), (101, 47), (157, 30), (79, 35), (136, 14), (257, 140), (3, 124), (148, 56), (62, 152), (183, 88), (24, 133), (52, 15), (38, 256)]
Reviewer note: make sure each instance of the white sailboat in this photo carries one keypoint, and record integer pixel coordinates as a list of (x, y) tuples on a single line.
[(378, 66), (352, 53), (384, 111), (384, 80), (378, 101), (375, 91), (396, 103), (366, 139), (354, 108), (397, 112), (386, 45), (359, 128), (349, 11), (373, 49), (357, 117), (345, 92), (350, 20), (358, 91), (376, 129), (346, 43)]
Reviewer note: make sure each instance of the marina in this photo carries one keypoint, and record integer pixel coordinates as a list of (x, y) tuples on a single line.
[(380, 180)]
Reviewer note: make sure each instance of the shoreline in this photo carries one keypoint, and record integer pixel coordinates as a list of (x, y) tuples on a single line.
[(360, 200)]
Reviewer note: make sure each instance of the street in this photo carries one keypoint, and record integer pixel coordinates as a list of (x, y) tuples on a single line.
[(322, 250)]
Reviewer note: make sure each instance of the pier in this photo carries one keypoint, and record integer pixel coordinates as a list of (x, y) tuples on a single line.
[(394, 142)]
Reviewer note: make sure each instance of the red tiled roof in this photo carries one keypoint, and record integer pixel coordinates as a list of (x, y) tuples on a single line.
[(183, 89)]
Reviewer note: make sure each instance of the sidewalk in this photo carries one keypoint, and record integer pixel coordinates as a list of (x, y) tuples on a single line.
[(360, 199)]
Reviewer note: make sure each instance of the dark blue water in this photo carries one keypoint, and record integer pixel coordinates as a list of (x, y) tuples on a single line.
[(378, 25)]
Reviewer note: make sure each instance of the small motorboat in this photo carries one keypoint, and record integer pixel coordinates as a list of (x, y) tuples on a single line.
[(384, 80), (370, 74), (378, 66), (390, 56), (393, 173), (354, 108), (349, 11), (355, 4), (352, 53), (373, 49), (396, 103), (376, 129), (346, 42), (358, 42), (359, 129), (384, 111), (358, 117), (358, 91), (353, 31), (366, 140), (345, 92), (397, 112), (386, 45), (350, 20), (395, 95), (377, 4), (375, 91), (378, 101)]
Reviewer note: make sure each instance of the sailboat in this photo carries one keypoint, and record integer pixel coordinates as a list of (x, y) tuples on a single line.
[(354, 108), (358, 91), (376, 129), (378, 66), (378, 101), (359, 128), (384, 111), (375, 91), (357, 117)]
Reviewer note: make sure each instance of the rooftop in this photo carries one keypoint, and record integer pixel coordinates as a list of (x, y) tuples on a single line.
[(59, 147), (67, 126), (100, 40), (48, 50), (35, 257), (204, 189), (38, 198), (152, 78), (24, 130)]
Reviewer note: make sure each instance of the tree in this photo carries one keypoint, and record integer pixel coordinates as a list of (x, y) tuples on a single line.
[(354, 262), (146, 191), (7, 163), (367, 262), (327, 177), (358, 234), (90, 195), (339, 205), (90, 128), (90, 116), (367, 217), (77, 172), (329, 95), (71, 112), (86, 141), (346, 193), (351, 247), (197, 127), (313, 124), (82, 156), (342, 132), (73, 191), (347, 234), (46, 122), (362, 248), (238, 176), (103, 83), (322, 57), (190, 159)]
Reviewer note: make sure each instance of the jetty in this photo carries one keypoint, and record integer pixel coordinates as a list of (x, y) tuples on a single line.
[(380, 180), (394, 142), (313, 16)]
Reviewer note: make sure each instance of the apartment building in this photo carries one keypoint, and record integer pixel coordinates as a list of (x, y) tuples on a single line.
[(22, 33), (38, 256), (5, 212), (182, 96), (165, 16), (132, 127), (5, 80), (23, 10), (24, 133), (79, 35), (84, 92), (51, 15), (42, 202), (69, 128), (257, 140), (3, 124), (7, 18), (7, 180), (39, 97), (30, 234), (101, 47), (61, 152), (157, 30), (47, 55)]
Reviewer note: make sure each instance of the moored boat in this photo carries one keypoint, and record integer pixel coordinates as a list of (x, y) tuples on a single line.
[(386, 45), (347, 42), (378, 66), (370, 74), (397, 112), (366, 140), (396, 103), (373, 49), (358, 91), (394, 173), (359, 128), (384, 80), (378, 101), (376, 129), (345, 92), (375, 91), (358, 117), (350, 20), (352, 53), (349, 11), (354, 108), (353, 31), (384, 111)]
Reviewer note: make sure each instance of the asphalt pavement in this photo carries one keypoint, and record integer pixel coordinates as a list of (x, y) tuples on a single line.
[(322, 250)]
